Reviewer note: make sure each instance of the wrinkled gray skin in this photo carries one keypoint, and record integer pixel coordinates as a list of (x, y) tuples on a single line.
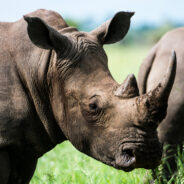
[(55, 85), (170, 131)]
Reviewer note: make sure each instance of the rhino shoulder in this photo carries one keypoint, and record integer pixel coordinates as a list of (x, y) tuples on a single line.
[(14, 107), (13, 99), (171, 40)]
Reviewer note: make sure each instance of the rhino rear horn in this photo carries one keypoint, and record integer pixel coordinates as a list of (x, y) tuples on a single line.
[(128, 89)]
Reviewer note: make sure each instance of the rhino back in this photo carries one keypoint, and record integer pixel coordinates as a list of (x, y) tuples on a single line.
[(19, 63), (13, 104), (171, 129)]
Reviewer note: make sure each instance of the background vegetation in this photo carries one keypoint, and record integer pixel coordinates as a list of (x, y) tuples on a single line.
[(144, 34), (66, 165)]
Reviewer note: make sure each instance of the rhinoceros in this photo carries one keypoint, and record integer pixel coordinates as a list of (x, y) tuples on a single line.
[(170, 131), (55, 85)]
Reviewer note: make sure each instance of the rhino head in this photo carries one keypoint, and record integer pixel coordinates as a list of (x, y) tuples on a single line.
[(107, 121)]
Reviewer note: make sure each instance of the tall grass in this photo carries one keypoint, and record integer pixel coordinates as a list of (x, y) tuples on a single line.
[(176, 177), (66, 165)]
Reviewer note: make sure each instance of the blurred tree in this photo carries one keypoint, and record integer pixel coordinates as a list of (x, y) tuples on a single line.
[(82, 25), (148, 34), (144, 34), (73, 23)]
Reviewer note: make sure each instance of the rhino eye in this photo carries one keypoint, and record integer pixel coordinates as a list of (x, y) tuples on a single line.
[(91, 111), (93, 106)]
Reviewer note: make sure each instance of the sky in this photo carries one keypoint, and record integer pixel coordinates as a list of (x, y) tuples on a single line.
[(146, 11)]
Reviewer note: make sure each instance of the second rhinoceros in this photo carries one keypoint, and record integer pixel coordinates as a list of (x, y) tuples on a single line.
[(171, 130), (55, 85)]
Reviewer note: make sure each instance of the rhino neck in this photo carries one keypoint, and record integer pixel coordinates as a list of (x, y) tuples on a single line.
[(45, 110), (56, 92), (37, 86)]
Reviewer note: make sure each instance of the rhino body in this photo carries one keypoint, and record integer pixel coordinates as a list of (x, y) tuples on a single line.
[(170, 131), (55, 86)]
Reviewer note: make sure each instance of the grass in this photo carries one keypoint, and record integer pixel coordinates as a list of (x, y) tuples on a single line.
[(125, 60), (177, 177), (66, 165)]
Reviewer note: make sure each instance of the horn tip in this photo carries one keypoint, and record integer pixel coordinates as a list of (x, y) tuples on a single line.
[(131, 76), (173, 60), (174, 54)]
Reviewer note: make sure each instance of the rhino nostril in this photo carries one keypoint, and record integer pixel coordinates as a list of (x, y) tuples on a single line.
[(126, 159), (128, 152)]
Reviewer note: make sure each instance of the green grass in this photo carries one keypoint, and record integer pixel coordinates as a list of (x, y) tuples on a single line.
[(66, 165), (177, 177), (125, 60)]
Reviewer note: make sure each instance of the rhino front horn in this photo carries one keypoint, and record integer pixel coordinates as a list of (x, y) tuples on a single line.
[(128, 89)]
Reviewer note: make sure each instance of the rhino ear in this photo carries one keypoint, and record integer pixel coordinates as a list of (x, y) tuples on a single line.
[(44, 36), (115, 29), (128, 89)]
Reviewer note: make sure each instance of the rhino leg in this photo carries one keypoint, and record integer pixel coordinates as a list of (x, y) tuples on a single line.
[(22, 170), (15, 168), (4, 167)]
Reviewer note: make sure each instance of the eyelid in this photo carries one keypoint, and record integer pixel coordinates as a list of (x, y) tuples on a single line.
[(93, 96)]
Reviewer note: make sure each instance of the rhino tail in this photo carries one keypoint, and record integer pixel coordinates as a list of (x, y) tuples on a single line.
[(144, 70)]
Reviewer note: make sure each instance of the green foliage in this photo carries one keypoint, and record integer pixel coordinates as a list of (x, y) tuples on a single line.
[(124, 60), (142, 35), (178, 176), (85, 25), (148, 34), (73, 23), (66, 165)]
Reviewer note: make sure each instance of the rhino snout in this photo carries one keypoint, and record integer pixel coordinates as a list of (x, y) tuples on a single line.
[(138, 155)]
